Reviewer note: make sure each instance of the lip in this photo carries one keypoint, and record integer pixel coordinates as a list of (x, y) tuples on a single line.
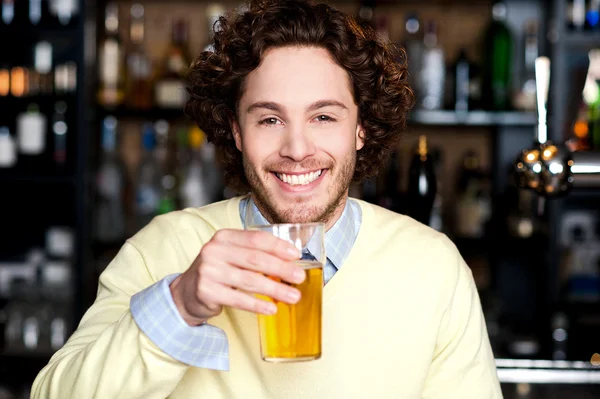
[(299, 188)]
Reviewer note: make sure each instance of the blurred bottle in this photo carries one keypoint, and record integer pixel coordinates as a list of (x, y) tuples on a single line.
[(110, 218), (139, 91), (473, 198), (576, 11), (148, 181), (422, 184), (60, 129), (194, 191), (462, 82), (213, 12), (498, 59), (391, 197), (433, 70), (437, 212), (166, 158), (111, 79), (592, 15), (170, 86), (413, 44), (525, 98)]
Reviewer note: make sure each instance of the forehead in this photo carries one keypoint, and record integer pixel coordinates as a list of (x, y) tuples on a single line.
[(297, 75)]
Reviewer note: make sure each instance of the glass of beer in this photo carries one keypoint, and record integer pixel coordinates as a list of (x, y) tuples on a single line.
[(294, 333)]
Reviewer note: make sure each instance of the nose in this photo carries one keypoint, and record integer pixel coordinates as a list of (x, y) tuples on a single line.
[(297, 144)]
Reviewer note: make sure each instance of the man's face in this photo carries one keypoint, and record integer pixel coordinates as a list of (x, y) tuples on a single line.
[(298, 132)]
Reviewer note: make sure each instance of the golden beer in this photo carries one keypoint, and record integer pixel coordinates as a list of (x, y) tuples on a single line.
[(294, 332)]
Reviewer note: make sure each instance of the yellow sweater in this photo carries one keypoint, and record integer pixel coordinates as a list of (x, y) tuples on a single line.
[(401, 319)]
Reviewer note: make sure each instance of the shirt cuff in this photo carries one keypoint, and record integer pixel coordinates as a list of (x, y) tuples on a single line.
[(155, 313)]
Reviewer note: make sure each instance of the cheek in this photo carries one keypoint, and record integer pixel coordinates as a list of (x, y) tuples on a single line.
[(257, 149)]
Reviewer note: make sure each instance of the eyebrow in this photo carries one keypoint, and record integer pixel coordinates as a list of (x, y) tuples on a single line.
[(312, 107)]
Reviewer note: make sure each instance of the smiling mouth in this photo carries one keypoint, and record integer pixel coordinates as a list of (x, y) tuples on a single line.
[(299, 180)]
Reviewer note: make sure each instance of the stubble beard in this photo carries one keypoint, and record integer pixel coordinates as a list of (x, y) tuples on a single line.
[(299, 211)]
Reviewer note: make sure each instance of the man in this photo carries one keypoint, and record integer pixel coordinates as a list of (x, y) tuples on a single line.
[(302, 101)]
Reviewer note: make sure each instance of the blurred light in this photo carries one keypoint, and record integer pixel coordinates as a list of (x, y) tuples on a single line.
[(4, 82), (537, 168), (520, 165), (556, 168), (560, 334), (580, 129), (595, 359), (531, 156), (18, 81), (585, 169), (570, 163)]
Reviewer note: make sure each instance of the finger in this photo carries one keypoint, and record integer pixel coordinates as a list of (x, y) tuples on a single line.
[(260, 240), (243, 301), (253, 282), (262, 262)]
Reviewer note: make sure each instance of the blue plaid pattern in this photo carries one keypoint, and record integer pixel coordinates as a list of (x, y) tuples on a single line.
[(206, 346), (339, 239)]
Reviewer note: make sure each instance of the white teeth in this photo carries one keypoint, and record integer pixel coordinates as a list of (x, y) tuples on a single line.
[(299, 180)]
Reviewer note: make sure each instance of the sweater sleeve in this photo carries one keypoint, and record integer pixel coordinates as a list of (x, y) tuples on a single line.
[(463, 365), (108, 356)]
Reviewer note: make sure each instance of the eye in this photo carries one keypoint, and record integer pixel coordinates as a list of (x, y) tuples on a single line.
[(269, 121), (324, 118)]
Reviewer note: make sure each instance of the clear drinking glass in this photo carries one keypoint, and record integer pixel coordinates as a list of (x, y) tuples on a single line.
[(294, 332)]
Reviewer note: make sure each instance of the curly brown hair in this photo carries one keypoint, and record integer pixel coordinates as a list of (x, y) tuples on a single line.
[(377, 71)]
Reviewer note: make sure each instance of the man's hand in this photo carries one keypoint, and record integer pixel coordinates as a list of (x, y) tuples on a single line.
[(234, 261)]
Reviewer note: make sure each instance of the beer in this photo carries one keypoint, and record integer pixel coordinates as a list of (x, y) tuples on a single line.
[(294, 332)]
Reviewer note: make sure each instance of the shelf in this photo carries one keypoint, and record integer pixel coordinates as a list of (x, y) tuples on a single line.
[(25, 178), (581, 40), (152, 114), (472, 118)]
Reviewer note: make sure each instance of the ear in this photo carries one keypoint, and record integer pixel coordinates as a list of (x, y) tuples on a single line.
[(360, 137), (237, 135)]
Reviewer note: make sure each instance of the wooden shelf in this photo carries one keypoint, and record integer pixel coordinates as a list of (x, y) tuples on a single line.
[(472, 118)]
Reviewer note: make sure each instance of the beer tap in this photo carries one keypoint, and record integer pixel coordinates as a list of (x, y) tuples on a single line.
[(549, 168)]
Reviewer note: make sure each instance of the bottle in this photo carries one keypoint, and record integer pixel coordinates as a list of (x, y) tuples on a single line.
[(473, 203), (413, 44), (576, 15), (461, 82), (433, 70), (526, 98), (498, 51), (8, 150), (193, 189), (391, 193), (110, 219), (8, 11), (170, 88), (148, 182), (35, 11), (139, 90), (592, 15), (213, 12), (422, 184), (167, 201), (60, 129), (111, 91), (41, 76)]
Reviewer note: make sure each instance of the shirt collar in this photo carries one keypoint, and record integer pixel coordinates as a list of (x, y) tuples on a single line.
[(339, 239)]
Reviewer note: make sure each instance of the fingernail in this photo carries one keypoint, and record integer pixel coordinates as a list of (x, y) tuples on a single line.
[(294, 296), (294, 252), (271, 308), (299, 275)]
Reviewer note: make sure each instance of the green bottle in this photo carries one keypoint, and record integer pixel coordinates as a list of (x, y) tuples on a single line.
[(497, 68)]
